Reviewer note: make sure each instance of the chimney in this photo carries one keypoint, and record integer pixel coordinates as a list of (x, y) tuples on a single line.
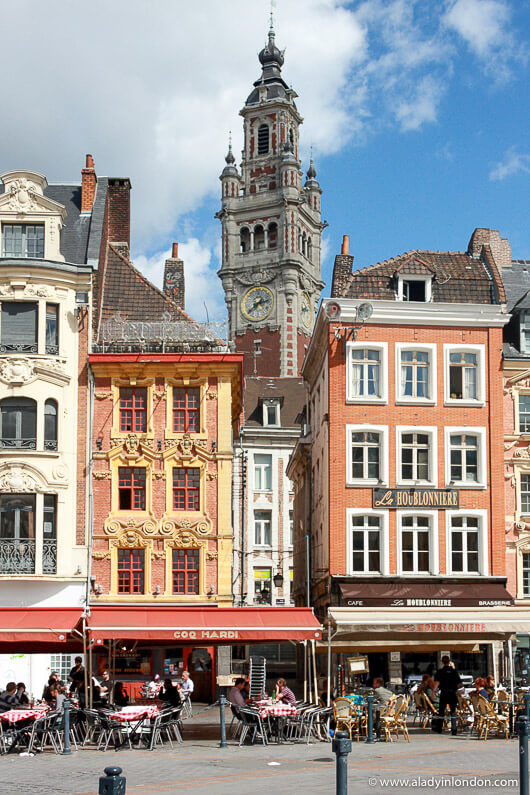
[(500, 246), (88, 185), (342, 270), (174, 277), (118, 210)]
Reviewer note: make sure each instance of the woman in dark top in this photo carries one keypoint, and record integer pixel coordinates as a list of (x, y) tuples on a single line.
[(22, 698), (170, 694), (50, 692), (120, 697)]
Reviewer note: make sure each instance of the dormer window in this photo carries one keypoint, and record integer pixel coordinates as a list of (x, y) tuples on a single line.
[(23, 240), (525, 332), (271, 413), (414, 288), (263, 139)]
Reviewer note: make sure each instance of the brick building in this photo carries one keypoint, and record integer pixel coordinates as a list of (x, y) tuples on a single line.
[(399, 478)]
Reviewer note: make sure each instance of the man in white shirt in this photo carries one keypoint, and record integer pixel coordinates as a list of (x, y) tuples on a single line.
[(154, 686), (187, 684)]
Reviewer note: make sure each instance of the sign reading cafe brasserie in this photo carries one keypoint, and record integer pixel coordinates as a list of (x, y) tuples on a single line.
[(415, 498)]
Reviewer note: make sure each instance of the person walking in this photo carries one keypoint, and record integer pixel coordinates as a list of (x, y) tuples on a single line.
[(448, 681)]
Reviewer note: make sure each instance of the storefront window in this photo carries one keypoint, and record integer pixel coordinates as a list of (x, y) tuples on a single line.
[(262, 586)]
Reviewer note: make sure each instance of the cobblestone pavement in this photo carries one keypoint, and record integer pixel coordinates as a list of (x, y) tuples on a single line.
[(430, 763)]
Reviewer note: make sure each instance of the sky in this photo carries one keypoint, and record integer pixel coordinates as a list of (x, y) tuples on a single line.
[(417, 112)]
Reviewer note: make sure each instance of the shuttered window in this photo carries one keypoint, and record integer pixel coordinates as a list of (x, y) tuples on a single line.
[(18, 330)]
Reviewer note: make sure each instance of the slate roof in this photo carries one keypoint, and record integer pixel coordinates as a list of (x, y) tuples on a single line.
[(509, 351), (457, 277), (292, 391), (517, 284)]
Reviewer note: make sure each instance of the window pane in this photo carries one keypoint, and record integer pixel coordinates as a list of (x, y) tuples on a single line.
[(19, 326), (52, 329), (50, 425)]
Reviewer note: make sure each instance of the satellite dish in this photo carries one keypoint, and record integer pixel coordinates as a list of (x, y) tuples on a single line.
[(332, 310), (364, 311)]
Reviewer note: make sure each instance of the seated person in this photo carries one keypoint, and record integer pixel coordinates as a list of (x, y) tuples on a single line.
[(490, 686), (170, 694), (432, 693), (382, 694), (120, 697), (8, 699), (480, 688), (104, 686), (187, 683), (236, 694), (153, 688), (284, 693), (423, 684), (22, 697), (49, 695)]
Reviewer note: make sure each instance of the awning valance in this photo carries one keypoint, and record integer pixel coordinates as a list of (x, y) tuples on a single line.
[(483, 593), (205, 625), (37, 628)]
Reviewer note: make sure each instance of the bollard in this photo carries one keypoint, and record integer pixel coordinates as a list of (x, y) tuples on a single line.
[(522, 728), (66, 727), (222, 703), (341, 746), (527, 706), (370, 727), (112, 783)]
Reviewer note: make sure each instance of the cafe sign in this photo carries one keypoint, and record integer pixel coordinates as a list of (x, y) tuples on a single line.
[(415, 498)]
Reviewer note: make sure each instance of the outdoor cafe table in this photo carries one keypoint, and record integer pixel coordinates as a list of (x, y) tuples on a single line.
[(279, 711), (135, 712), (15, 716)]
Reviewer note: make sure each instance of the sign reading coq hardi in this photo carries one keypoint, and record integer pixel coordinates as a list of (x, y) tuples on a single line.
[(415, 498)]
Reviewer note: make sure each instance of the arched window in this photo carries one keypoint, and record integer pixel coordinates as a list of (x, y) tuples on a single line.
[(18, 417), (273, 235), (304, 244), (291, 138), (244, 240), (309, 247), (50, 425), (263, 139), (259, 237)]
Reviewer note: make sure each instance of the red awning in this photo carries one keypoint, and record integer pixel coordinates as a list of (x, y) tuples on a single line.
[(190, 625), (33, 628)]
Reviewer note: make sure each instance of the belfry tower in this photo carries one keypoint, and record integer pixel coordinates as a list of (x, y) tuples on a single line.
[(271, 230)]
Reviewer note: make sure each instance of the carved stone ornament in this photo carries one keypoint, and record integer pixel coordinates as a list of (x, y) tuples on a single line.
[(25, 370), (158, 395), (171, 527), (522, 452), (102, 395), (22, 196), (16, 479), (102, 474), (6, 289), (520, 526), (259, 276), (17, 371), (60, 472), (211, 395), (116, 526), (101, 554), (211, 476), (130, 540), (159, 475), (158, 555), (39, 290), (131, 444), (186, 539), (211, 556)]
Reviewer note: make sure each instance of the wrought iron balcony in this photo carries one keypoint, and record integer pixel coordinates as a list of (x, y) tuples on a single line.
[(19, 444), (50, 444), (16, 347), (49, 557), (52, 350), (17, 557)]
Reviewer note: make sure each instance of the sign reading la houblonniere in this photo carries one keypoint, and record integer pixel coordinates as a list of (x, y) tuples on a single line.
[(415, 498)]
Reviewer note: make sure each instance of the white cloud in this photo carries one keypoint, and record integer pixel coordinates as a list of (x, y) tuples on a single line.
[(513, 163), (422, 106), (203, 293)]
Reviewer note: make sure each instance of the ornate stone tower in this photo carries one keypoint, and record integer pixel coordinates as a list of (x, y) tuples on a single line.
[(271, 230)]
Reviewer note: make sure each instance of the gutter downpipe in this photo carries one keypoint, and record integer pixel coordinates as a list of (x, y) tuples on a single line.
[(90, 512)]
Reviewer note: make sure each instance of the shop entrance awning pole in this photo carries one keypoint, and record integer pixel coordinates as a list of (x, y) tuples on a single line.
[(329, 663), (510, 655), (305, 670), (313, 655), (494, 656)]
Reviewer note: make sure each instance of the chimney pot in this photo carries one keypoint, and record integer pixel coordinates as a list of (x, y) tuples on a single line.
[(175, 251), (89, 161), (88, 185), (345, 244)]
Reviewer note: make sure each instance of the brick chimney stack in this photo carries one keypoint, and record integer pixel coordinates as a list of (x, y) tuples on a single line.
[(342, 270), (174, 277), (88, 185), (500, 246)]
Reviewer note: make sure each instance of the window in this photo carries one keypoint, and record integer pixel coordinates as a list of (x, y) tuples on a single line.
[(271, 413), (19, 423), (49, 535), (186, 488), (526, 574), (259, 238), (262, 586), (63, 664), (414, 375), (131, 488), (524, 321), (17, 533), (186, 571), (262, 528), (524, 413), (131, 570), (464, 458), (463, 375), (272, 235), (413, 290), (50, 425), (464, 544), (23, 240), (262, 472), (415, 551), (525, 494), (365, 544), (291, 528), (366, 372), (52, 329), (19, 327), (415, 457), (133, 409), (365, 455), (186, 409), (244, 240), (263, 139)]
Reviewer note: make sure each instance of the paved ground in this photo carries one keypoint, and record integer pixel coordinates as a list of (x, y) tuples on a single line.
[(430, 763)]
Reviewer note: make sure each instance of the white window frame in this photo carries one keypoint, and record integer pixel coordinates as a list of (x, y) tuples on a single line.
[(415, 277), (268, 404), (382, 347), (482, 474), (261, 467), (262, 544), (481, 375), (517, 396), (432, 431), (434, 563), (382, 430), (519, 473), (524, 325), (429, 348), (482, 516), (384, 551)]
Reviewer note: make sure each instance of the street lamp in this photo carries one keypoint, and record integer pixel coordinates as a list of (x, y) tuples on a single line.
[(278, 580)]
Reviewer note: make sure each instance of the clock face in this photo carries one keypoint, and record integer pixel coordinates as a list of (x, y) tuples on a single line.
[(257, 303), (305, 310)]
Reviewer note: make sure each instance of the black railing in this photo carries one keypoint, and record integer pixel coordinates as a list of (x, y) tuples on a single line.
[(19, 444), (17, 557), (16, 347)]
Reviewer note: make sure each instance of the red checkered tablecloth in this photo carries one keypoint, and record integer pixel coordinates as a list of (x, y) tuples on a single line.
[(136, 712), (277, 710), (14, 715)]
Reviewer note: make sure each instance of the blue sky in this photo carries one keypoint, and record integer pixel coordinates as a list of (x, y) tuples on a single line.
[(417, 111)]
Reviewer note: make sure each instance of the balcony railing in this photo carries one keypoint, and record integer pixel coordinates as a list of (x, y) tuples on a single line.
[(17, 347), (17, 557), (52, 350), (49, 557), (19, 444), (121, 335), (50, 444)]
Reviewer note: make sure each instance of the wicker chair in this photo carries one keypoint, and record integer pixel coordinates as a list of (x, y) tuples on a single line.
[(343, 716), (491, 720)]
